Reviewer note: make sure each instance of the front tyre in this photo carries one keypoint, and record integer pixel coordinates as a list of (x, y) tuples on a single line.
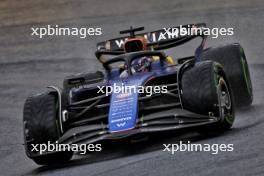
[(205, 90), (40, 126), (233, 59)]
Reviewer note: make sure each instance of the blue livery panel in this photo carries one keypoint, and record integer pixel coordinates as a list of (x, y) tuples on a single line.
[(123, 110)]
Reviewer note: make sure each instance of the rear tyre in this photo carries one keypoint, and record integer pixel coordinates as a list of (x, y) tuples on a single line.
[(77, 80), (205, 88), (40, 126), (233, 59), (81, 79)]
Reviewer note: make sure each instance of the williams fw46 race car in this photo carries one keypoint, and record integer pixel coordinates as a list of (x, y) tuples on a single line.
[(201, 91)]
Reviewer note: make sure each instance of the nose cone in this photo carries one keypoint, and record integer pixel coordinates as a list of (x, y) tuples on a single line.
[(123, 107), (123, 110)]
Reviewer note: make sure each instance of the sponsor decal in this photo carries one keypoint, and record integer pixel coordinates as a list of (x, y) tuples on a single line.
[(123, 95), (120, 124)]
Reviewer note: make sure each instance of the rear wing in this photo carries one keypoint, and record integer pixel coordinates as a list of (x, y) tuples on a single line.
[(157, 40), (160, 39)]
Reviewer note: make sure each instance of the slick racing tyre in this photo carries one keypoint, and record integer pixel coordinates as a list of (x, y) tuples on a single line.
[(40, 126), (205, 90), (233, 59)]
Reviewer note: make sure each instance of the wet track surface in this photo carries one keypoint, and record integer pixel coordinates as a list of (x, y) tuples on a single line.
[(28, 64)]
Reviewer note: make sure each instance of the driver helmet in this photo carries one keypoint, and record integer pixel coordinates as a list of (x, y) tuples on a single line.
[(141, 64)]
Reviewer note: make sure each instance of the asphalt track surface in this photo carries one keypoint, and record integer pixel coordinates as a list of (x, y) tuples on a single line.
[(28, 64)]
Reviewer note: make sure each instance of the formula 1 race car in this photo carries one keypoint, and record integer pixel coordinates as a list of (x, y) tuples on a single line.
[(201, 91)]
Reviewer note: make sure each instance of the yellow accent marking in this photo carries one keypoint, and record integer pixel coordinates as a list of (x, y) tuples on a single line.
[(170, 60), (155, 58)]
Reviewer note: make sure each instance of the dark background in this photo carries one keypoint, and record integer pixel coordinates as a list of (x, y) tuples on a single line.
[(28, 64)]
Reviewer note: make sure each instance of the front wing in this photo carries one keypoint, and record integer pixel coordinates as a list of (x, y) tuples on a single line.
[(162, 121)]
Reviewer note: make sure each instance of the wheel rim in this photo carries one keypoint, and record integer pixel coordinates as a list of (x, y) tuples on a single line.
[(225, 101)]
